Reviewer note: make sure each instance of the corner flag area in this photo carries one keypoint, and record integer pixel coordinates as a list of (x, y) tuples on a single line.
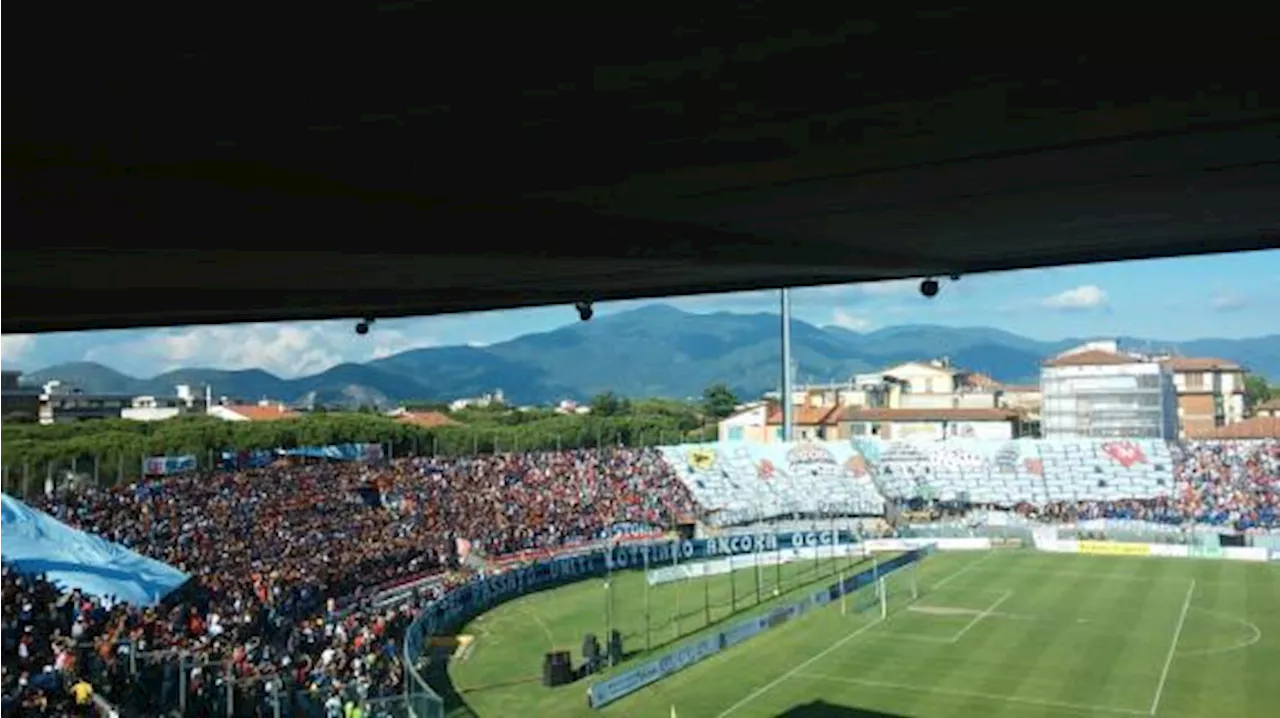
[(966, 634)]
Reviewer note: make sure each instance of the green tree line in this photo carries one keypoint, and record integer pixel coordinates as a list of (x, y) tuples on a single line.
[(112, 442)]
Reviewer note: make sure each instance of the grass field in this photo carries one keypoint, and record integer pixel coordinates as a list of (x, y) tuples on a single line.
[(1012, 633)]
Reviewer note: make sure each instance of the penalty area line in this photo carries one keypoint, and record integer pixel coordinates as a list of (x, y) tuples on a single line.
[(830, 649)]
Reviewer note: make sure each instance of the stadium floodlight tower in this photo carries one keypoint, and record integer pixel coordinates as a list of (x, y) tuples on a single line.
[(786, 364)]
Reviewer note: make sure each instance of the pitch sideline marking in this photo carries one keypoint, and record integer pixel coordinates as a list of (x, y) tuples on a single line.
[(833, 647), (978, 618), (974, 694), (1173, 647), (1237, 646)]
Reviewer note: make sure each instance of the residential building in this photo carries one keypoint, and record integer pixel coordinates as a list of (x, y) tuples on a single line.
[(939, 385), (262, 411), (159, 408), (1027, 400), (930, 424), (919, 398), (478, 402), (18, 402), (1210, 393), (762, 423), (748, 423), (1269, 408), (1096, 391), (62, 404)]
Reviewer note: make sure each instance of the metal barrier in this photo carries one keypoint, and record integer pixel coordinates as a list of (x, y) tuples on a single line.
[(161, 683)]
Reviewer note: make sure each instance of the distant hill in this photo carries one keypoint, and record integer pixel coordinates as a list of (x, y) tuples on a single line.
[(655, 350)]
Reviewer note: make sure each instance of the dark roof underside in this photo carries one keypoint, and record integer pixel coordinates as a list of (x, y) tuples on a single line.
[(211, 165)]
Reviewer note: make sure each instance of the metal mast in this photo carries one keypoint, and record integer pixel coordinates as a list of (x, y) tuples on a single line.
[(786, 365)]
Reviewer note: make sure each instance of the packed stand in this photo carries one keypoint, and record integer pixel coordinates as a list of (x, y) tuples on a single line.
[(279, 555), (517, 502), (40, 662), (1160, 510), (1234, 484)]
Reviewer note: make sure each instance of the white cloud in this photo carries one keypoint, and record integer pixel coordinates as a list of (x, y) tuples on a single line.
[(287, 350), (848, 320), (13, 347), (1227, 301), (889, 288), (1087, 296)]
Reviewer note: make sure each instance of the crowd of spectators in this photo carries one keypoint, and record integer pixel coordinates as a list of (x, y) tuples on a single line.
[(283, 557), (1162, 510), (1234, 484), (278, 554)]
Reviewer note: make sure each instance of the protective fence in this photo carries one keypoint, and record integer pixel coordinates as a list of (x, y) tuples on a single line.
[(657, 592), (141, 683)]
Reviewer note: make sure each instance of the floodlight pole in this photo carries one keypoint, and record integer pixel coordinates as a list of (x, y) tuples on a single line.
[(786, 365)]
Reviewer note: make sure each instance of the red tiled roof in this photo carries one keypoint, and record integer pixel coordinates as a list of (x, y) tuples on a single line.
[(1092, 357), (1201, 364), (1270, 404), (1259, 427), (805, 415), (253, 412), (930, 415)]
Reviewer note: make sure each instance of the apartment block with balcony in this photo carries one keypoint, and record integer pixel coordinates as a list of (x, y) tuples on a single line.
[(1098, 392), (1210, 394)]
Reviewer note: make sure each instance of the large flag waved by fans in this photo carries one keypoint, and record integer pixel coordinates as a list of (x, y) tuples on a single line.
[(34, 542)]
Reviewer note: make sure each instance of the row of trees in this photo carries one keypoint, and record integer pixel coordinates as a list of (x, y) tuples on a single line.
[(109, 442)]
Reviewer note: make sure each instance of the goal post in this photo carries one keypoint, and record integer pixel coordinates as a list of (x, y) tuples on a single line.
[(884, 594)]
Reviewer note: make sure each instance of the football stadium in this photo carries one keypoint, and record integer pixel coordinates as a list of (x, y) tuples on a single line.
[(525, 486), (854, 577)]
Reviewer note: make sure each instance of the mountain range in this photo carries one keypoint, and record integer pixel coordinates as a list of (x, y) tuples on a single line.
[(656, 350)]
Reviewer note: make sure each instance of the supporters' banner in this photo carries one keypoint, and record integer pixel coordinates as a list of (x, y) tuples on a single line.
[(256, 459), (339, 452), (463, 548), (260, 458), (633, 555), (167, 465)]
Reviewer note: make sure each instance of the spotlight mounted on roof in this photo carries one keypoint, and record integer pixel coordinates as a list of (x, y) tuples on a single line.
[(929, 287), (585, 310), (362, 327)]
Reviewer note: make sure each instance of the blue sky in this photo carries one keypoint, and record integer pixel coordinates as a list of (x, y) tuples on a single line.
[(1227, 296)]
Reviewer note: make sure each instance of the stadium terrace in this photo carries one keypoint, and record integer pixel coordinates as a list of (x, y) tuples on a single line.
[(308, 573)]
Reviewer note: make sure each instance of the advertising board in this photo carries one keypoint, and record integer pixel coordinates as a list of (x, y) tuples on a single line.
[(1241, 553), (1168, 550), (1205, 551), (1112, 548)]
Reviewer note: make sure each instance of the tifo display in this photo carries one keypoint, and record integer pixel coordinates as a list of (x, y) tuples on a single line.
[(324, 579)]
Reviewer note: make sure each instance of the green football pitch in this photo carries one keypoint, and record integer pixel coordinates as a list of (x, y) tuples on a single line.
[(1006, 633)]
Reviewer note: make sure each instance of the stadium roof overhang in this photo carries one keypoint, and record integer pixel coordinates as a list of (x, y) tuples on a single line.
[(399, 160)]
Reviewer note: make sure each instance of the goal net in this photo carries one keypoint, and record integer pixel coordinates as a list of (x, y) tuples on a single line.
[(884, 594)]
